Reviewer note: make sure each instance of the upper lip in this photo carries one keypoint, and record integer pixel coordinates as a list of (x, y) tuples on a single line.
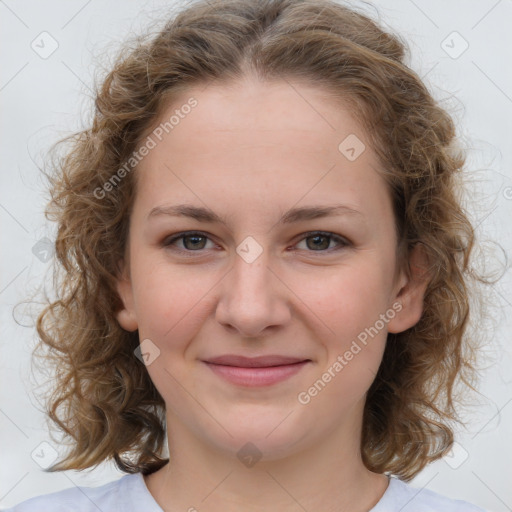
[(254, 362)]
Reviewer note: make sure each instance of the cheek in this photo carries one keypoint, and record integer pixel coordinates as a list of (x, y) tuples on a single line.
[(171, 301), (351, 304), (349, 299)]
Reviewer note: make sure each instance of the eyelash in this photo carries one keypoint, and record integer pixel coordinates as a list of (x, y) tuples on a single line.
[(342, 241)]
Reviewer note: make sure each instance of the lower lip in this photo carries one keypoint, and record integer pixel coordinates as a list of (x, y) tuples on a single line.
[(253, 377)]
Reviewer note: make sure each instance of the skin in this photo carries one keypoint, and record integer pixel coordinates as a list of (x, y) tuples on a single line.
[(250, 151)]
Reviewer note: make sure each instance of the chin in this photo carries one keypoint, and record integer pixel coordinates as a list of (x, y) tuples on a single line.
[(267, 437)]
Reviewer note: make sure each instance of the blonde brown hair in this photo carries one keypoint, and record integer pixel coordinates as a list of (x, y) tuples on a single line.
[(102, 398)]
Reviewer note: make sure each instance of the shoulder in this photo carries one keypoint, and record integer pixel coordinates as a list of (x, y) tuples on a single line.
[(80, 499), (406, 498)]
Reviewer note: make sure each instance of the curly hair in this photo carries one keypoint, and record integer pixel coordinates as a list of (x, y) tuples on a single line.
[(102, 398)]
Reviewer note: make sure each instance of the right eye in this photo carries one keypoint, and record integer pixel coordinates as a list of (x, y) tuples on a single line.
[(193, 241)]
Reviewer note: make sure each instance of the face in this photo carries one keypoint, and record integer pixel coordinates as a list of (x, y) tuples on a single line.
[(264, 269)]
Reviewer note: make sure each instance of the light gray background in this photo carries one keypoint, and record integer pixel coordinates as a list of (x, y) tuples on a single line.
[(43, 99)]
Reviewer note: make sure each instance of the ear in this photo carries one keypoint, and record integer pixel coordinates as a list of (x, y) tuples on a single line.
[(126, 315), (411, 291)]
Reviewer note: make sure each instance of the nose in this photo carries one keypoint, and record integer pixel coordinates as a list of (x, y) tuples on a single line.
[(253, 298)]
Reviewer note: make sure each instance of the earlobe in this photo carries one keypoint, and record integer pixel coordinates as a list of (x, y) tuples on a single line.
[(411, 292), (126, 320), (126, 315)]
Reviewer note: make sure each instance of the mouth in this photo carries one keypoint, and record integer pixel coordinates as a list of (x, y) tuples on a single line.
[(256, 371)]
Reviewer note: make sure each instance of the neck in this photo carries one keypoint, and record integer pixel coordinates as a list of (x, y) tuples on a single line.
[(318, 477)]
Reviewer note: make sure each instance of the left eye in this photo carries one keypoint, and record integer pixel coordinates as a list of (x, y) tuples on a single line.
[(321, 241), (195, 241)]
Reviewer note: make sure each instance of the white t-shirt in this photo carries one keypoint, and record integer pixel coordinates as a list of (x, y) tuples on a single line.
[(129, 493)]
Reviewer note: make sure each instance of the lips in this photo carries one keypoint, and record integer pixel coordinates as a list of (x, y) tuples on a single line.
[(254, 362), (256, 371)]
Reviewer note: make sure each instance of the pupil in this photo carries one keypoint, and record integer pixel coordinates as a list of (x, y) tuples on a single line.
[(195, 238), (319, 237)]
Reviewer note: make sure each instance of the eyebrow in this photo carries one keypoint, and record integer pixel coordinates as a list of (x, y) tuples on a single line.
[(293, 215)]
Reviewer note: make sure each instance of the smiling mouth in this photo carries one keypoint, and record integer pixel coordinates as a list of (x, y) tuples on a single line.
[(255, 372)]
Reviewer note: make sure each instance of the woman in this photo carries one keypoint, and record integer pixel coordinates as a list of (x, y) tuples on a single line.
[(264, 270)]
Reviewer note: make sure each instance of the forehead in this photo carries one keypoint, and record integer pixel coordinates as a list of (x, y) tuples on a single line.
[(255, 107), (252, 138)]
